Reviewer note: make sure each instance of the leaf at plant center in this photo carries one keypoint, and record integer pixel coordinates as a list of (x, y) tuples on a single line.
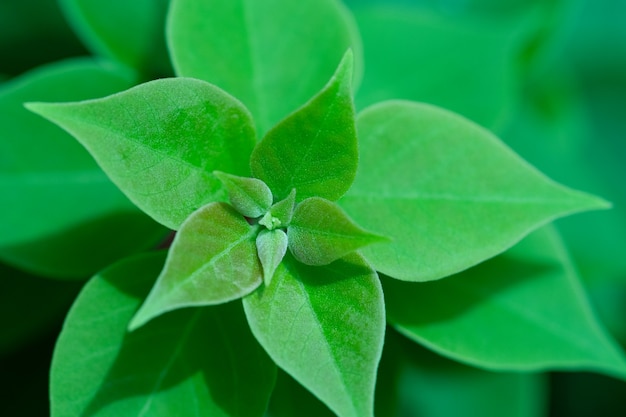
[(129, 32), (524, 310), (273, 55), (161, 141), (283, 210), (313, 150), (448, 193), (192, 362), (60, 215), (271, 246), (212, 260), (325, 326), (249, 196), (321, 233)]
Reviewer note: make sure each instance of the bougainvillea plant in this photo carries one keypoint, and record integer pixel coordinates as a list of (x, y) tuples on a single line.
[(304, 228)]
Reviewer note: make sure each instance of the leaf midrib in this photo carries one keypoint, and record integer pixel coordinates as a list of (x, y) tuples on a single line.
[(487, 199), (201, 269)]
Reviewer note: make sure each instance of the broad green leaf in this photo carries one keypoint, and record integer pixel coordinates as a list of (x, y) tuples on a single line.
[(213, 260), (463, 64), (325, 327), (30, 307), (271, 246), (60, 216), (273, 55), (313, 150), (193, 362), (321, 233), (130, 32), (427, 384), (249, 196), (448, 193), (524, 310), (281, 213), (161, 141)]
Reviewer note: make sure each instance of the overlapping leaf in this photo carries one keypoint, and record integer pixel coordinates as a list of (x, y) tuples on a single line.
[(161, 141), (191, 362), (249, 196), (213, 259), (448, 193), (314, 150), (325, 327), (60, 215), (321, 233), (524, 310), (273, 55)]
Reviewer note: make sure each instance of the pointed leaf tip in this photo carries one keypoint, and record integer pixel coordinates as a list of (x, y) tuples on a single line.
[(136, 135), (314, 149), (271, 246), (321, 233), (249, 196)]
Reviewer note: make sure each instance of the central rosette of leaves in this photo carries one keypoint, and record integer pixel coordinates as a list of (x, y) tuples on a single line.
[(227, 248)]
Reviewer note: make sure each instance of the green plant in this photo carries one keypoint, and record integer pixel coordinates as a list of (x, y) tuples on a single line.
[(284, 197)]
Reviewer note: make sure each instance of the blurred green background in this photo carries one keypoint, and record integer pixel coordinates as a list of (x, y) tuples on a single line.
[(547, 76)]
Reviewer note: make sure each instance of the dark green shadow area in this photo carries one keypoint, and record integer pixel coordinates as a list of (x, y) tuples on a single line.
[(81, 251)]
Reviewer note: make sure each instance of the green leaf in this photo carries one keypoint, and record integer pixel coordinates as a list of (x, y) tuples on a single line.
[(188, 363), (161, 141), (213, 259), (321, 233), (60, 215), (314, 150), (448, 193), (324, 326), (271, 246), (130, 32), (524, 310), (281, 213), (272, 55), (468, 65), (249, 196)]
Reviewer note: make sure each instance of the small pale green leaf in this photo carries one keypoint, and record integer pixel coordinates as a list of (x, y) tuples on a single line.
[(213, 260), (60, 215), (273, 55), (313, 150), (321, 233), (271, 246), (448, 193), (130, 32), (161, 141), (283, 210), (524, 310), (249, 196), (193, 362), (325, 327)]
